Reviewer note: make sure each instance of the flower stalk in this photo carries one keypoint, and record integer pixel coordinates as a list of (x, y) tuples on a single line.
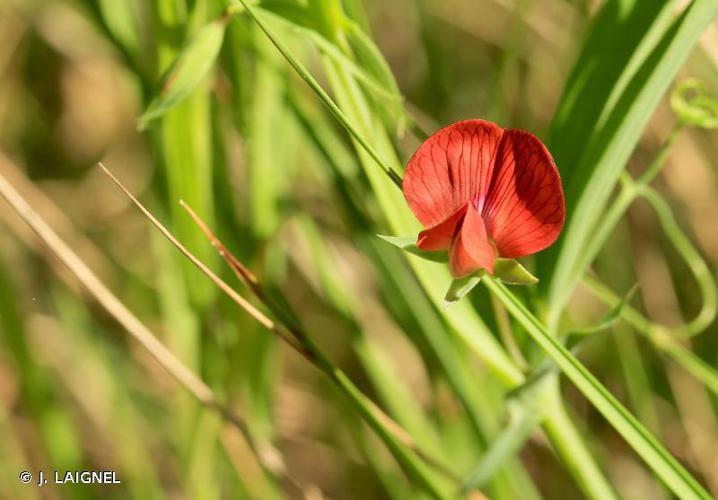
[(401, 444)]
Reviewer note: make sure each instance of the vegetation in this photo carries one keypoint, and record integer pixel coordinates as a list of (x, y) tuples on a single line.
[(210, 312)]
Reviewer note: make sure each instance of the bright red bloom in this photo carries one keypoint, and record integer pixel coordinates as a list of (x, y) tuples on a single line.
[(484, 192)]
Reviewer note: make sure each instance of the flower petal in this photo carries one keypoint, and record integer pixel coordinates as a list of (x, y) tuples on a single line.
[(450, 168), (524, 210), (439, 237), (471, 250)]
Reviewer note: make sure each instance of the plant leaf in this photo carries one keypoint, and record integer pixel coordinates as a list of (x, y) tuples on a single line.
[(122, 23), (671, 472), (321, 93), (511, 272), (189, 70), (526, 409), (375, 84), (408, 244), (460, 287), (592, 162), (371, 58)]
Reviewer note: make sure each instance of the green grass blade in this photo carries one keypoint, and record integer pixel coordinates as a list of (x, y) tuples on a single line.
[(666, 467), (120, 19), (597, 170), (328, 102), (461, 316), (603, 69), (376, 81), (523, 421), (268, 162), (369, 56), (192, 65), (660, 337)]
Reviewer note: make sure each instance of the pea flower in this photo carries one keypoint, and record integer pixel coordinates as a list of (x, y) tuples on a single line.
[(484, 193)]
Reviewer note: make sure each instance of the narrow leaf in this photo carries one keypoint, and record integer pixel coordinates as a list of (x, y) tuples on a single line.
[(372, 82), (121, 22), (187, 72), (460, 287), (371, 58), (408, 244), (666, 467), (598, 161), (321, 93), (522, 423)]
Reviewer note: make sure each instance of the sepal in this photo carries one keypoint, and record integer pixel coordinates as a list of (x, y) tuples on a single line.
[(461, 286), (511, 272), (408, 244)]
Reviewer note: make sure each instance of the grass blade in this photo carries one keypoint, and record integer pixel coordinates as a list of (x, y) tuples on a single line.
[(671, 472), (192, 65), (328, 102), (598, 170)]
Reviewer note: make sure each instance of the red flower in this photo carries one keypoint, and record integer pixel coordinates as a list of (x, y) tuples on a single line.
[(484, 192)]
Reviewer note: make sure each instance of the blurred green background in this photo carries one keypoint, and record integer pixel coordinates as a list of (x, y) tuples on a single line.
[(242, 139)]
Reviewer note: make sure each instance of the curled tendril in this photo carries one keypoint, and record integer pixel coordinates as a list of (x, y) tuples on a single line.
[(693, 259), (698, 267), (693, 106)]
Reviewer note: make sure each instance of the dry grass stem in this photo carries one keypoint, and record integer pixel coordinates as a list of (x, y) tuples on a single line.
[(266, 454)]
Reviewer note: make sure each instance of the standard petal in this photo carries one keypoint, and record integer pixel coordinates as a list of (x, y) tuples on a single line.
[(439, 237), (450, 168), (471, 249), (524, 210)]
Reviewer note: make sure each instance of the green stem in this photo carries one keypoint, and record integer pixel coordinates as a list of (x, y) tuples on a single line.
[(496, 358), (507, 335), (659, 160), (408, 460), (571, 448), (660, 338), (673, 474), (506, 445), (700, 270), (629, 192), (328, 102)]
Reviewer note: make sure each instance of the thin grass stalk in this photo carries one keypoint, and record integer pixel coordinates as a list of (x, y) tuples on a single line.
[(588, 473), (333, 108), (396, 439), (636, 94), (374, 416), (265, 453), (674, 475)]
